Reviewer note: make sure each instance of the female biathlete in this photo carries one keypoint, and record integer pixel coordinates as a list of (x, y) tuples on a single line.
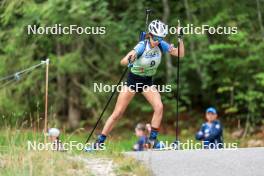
[(146, 57)]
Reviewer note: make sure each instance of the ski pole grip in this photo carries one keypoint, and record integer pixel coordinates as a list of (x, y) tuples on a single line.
[(130, 64), (129, 59), (148, 11), (180, 31)]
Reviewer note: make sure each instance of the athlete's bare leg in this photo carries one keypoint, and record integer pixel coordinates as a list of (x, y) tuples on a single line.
[(124, 98), (153, 97)]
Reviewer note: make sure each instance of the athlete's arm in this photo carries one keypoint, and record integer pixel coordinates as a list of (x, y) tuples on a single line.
[(174, 51), (132, 55), (200, 134), (166, 47)]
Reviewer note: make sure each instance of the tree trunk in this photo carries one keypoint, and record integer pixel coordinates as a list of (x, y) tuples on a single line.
[(260, 19), (169, 67), (192, 47), (198, 67), (247, 125), (61, 84), (74, 114)]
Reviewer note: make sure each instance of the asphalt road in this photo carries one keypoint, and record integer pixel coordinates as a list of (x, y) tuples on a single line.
[(236, 162)]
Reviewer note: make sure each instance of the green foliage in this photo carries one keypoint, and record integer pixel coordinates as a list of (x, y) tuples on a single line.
[(225, 71)]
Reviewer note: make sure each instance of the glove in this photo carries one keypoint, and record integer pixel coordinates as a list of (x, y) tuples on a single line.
[(130, 63), (180, 33)]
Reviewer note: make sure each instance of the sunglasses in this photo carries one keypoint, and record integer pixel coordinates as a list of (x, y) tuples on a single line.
[(157, 39)]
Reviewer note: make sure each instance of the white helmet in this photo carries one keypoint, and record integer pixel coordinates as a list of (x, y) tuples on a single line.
[(157, 28), (54, 132)]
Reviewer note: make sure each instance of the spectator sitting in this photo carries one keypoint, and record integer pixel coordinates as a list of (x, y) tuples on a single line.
[(211, 132), (56, 144), (140, 132)]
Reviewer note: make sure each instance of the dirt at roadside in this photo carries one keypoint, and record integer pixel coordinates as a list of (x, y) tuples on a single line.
[(97, 166)]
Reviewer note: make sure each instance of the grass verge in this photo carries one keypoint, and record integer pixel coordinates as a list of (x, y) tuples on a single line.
[(16, 159)]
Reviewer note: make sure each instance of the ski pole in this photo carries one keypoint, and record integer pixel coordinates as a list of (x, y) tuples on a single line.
[(148, 11), (142, 34), (178, 86), (108, 102)]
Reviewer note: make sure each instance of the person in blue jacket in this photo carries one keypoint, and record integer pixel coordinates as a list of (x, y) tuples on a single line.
[(211, 132), (140, 132)]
